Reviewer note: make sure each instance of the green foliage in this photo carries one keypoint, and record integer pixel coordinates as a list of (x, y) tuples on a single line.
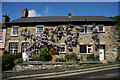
[(71, 57), (19, 55), (117, 26), (44, 55), (7, 62), (92, 57), (118, 59), (19, 60), (117, 18), (60, 60)]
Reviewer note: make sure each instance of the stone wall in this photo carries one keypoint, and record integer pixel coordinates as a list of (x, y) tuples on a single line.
[(107, 38), (37, 65)]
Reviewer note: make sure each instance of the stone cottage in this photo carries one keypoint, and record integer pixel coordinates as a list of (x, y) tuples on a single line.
[(106, 30)]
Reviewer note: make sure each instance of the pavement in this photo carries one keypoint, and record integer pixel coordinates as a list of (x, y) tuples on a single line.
[(53, 73)]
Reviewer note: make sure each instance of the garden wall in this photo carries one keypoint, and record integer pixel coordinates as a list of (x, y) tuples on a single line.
[(37, 65)]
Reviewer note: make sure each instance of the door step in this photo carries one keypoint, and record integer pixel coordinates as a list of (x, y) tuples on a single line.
[(103, 61)]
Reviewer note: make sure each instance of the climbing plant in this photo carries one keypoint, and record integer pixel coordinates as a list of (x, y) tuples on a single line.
[(71, 31)]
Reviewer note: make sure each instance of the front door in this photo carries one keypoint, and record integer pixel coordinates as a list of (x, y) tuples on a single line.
[(24, 55), (101, 53)]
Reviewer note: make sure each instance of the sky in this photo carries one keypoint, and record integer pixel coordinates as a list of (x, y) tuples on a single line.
[(14, 9)]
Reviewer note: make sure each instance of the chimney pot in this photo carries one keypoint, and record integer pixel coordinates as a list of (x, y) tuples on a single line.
[(5, 18), (69, 14), (24, 13), (5, 14)]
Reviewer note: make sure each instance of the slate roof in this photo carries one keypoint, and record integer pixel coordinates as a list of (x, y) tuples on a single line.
[(61, 19)]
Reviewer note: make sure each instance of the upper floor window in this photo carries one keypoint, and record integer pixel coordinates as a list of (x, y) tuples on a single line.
[(14, 31), (13, 47), (39, 29), (1, 34), (85, 29), (101, 28), (85, 49), (82, 29)]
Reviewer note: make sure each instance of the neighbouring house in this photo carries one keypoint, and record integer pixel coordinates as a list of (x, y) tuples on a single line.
[(106, 28), (118, 41), (2, 38)]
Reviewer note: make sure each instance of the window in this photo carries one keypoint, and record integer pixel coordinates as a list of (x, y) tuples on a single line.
[(101, 28), (63, 49), (13, 48), (14, 31), (84, 29), (39, 29), (1, 34), (88, 30), (85, 49), (37, 50)]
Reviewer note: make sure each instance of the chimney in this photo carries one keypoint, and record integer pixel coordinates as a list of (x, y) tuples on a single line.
[(24, 13), (69, 14), (5, 18)]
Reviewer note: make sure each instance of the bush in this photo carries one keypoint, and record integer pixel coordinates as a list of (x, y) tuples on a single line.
[(7, 61), (91, 57), (118, 59), (71, 57), (60, 60), (44, 55), (19, 60)]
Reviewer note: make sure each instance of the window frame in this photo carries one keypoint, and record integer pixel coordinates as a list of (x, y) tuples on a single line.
[(13, 49), (103, 28), (23, 47), (81, 27), (87, 49), (88, 30), (12, 31), (37, 28), (64, 46)]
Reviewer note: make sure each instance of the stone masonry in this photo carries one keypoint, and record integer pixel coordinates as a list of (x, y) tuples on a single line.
[(107, 38)]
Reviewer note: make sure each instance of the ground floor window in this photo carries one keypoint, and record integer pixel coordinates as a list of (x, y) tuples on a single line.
[(13, 48), (63, 49), (85, 49)]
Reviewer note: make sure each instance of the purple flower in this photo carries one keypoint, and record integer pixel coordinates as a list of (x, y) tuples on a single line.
[(49, 43), (62, 47), (23, 33), (59, 32), (70, 48), (77, 28), (69, 29), (74, 36), (51, 34), (73, 40), (90, 26), (95, 29)]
